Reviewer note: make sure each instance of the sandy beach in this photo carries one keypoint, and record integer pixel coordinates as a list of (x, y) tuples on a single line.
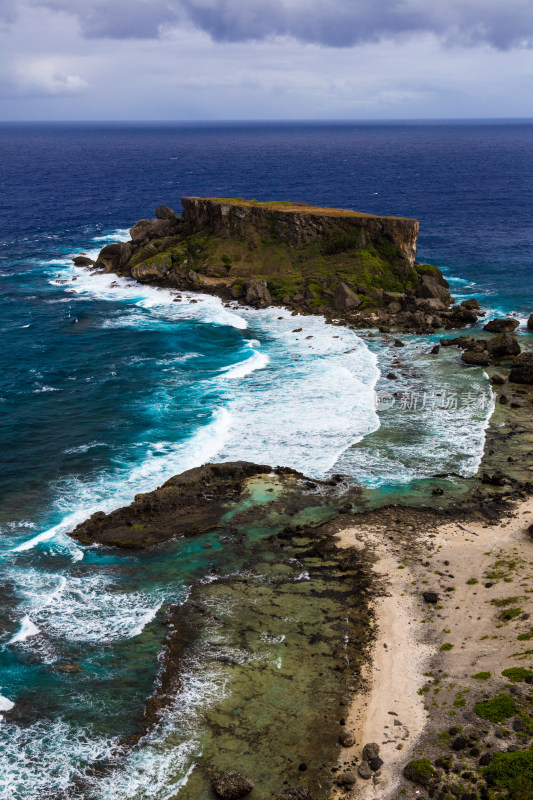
[(420, 682)]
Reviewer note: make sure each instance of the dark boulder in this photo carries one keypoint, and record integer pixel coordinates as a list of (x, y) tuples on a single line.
[(471, 304), (502, 345), (164, 212), (258, 295), (530, 531), (428, 287), (496, 479), (370, 750), (498, 380), (114, 257), (430, 597), (347, 738), (463, 316), (344, 299), (364, 770), (522, 369), (147, 229), (347, 778), (501, 325), (475, 357), (83, 261), (376, 763), (232, 785), (530, 322)]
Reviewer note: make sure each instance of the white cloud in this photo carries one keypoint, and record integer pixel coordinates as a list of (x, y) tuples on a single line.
[(47, 77)]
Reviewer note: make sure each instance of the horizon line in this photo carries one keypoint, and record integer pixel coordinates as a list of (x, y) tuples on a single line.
[(394, 120)]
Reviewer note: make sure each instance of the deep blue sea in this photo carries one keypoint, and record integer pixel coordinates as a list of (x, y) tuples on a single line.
[(108, 388)]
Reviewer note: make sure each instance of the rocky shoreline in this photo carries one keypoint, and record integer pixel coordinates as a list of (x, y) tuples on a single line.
[(388, 730)]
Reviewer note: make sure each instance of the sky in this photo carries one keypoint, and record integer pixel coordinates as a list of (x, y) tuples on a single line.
[(265, 59)]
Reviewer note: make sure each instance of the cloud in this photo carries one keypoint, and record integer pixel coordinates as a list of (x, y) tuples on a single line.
[(46, 77), (337, 23)]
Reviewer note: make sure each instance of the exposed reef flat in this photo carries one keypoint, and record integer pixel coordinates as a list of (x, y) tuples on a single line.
[(360, 268)]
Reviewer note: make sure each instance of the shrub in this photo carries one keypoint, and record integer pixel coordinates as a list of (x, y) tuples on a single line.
[(517, 674), (482, 676), (512, 771), (498, 709)]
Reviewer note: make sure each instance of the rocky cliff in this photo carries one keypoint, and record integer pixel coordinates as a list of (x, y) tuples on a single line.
[(299, 225)]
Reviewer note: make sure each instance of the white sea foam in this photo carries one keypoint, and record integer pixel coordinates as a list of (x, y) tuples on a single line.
[(43, 759), (84, 448), (87, 608), (246, 367), (6, 704), (27, 629)]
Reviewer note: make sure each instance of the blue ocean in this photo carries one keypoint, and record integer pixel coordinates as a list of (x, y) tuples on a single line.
[(108, 388)]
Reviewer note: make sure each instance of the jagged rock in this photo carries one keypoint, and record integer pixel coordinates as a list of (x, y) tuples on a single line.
[(83, 261), (530, 322), (471, 304), (480, 359), (501, 325), (522, 369), (232, 785), (347, 778), (347, 738), (463, 316), (428, 287), (430, 597), (498, 380), (530, 531), (398, 343), (258, 295), (344, 299), (147, 229), (113, 257), (153, 268), (370, 750), (364, 770), (435, 350), (504, 344), (376, 763), (164, 212)]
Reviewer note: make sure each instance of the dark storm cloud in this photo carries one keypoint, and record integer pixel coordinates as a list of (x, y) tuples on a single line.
[(503, 24)]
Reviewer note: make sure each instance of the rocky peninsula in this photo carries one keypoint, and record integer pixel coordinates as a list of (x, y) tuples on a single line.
[(412, 625)]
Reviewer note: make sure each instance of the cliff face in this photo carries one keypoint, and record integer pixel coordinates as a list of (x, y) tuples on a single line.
[(298, 225)]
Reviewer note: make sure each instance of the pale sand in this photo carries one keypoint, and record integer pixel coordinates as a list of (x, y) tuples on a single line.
[(413, 631)]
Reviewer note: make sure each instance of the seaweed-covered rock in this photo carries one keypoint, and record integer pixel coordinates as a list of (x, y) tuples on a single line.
[(153, 268), (419, 771), (232, 785)]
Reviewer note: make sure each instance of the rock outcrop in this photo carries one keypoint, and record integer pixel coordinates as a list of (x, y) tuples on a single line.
[(501, 325)]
